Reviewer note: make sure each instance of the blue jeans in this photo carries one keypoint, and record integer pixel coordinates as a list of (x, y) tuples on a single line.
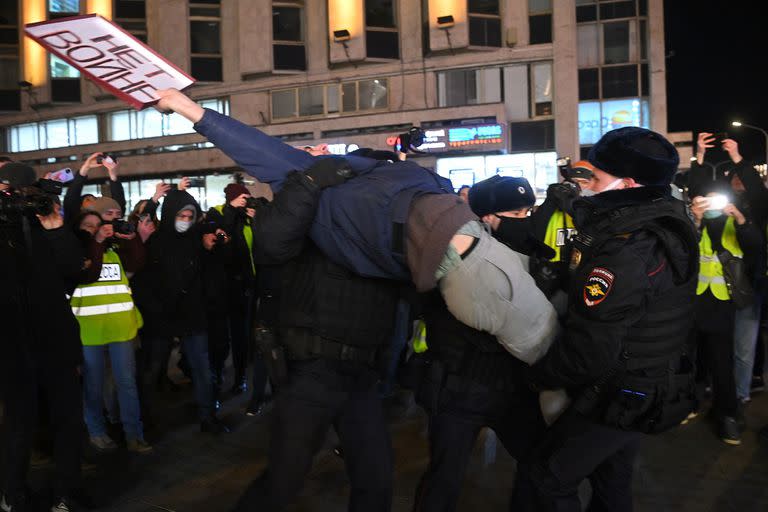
[(195, 348), (745, 330), (122, 358)]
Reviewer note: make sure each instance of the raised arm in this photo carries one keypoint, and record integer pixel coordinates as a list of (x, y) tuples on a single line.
[(266, 158)]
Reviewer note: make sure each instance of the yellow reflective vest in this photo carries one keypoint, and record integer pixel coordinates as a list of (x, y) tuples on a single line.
[(105, 309), (419, 340), (711, 270), (559, 230)]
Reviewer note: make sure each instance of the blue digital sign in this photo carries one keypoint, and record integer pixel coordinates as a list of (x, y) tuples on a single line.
[(475, 135)]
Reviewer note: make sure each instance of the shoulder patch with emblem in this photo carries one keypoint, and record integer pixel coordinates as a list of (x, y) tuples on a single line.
[(598, 286)]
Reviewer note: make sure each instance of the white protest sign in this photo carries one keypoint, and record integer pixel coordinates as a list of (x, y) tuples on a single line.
[(109, 56)]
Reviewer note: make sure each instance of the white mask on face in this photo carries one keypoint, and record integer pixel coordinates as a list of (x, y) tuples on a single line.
[(182, 226), (613, 185)]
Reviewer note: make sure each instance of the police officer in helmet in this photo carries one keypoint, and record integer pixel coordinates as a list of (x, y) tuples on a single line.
[(622, 357)]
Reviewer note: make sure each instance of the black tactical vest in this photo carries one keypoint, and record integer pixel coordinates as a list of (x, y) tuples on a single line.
[(651, 388), (334, 303)]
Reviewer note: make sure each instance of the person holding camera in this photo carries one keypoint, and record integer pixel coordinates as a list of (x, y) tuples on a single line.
[(235, 217), (74, 201), (727, 238), (173, 294), (41, 351), (109, 323)]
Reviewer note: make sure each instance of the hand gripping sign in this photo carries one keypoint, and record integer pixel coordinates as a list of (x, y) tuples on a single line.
[(109, 56)]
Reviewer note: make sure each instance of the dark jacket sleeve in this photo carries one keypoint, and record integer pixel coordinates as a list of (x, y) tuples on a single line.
[(540, 218), (94, 257), (72, 198), (133, 254), (750, 238), (266, 158), (118, 194), (592, 341), (281, 227), (151, 208), (755, 191), (69, 255)]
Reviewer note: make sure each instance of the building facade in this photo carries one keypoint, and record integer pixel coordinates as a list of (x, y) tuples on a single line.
[(499, 86)]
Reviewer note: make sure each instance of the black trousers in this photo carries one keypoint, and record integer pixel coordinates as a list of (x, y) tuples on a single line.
[(712, 335), (63, 393), (515, 417), (319, 394), (575, 448)]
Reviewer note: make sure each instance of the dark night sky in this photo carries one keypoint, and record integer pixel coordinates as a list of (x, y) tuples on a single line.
[(716, 55)]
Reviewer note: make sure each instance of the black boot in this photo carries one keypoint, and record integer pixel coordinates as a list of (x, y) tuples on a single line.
[(240, 385)]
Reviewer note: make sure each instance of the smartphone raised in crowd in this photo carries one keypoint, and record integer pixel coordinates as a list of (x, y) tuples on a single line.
[(63, 175)]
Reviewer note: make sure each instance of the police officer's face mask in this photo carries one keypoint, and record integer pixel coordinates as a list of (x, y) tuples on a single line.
[(514, 232)]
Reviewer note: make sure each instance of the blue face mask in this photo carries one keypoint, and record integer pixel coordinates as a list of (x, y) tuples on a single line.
[(712, 214)]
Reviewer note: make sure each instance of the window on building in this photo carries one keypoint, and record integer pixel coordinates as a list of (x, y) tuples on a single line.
[(382, 40), (205, 40), (532, 136), (484, 23), (596, 118), (540, 21), (65, 79), (63, 8), (148, 123), (288, 50), (612, 49), (329, 99), (528, 91), (132, 16), (54, 133), (10, 92), (541, 76), (469, 87)]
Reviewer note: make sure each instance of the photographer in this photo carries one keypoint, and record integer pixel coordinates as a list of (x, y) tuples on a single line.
[(74, 201), (724, 229), (41, 351), (109, 322), (235, 217), (174, 295)]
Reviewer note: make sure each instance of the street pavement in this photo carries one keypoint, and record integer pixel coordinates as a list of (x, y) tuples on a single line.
[(685, 470)]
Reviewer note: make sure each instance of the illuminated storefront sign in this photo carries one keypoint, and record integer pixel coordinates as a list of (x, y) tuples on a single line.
[(438, 140)]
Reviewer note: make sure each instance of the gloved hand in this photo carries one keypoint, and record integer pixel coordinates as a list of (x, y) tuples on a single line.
[(329, 171), (563, 193)]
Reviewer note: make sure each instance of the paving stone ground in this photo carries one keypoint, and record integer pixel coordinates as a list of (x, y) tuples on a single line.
[(685, 470)]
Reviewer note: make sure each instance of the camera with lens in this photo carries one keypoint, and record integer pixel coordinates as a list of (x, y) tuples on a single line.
[(221, 237), (254, 202), (213, 228), (110, 159), (14, 205), (123, 227), (409, 141)]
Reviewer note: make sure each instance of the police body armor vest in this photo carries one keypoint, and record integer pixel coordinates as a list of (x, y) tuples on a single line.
[(465, 351), (334, 303), (711, 271), (105, 309), (651, 388)]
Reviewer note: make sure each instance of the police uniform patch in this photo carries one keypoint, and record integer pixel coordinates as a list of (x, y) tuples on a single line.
[(598, 286)]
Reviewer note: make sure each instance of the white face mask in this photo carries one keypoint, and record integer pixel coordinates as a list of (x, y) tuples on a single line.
[(182, 226), (615, 183)]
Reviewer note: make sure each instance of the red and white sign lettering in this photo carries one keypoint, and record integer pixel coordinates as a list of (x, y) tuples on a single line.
[(109, 56)]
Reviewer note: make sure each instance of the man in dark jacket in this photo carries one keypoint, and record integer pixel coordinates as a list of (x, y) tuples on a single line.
[(235, 219), (622, 355), (332, 326), (40, 350), (174, 278)]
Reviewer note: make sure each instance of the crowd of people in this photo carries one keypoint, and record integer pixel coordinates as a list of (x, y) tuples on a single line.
[(571, 329)]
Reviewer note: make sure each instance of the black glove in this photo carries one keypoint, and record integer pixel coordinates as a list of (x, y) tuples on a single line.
[(564, 194), (329, 171)]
